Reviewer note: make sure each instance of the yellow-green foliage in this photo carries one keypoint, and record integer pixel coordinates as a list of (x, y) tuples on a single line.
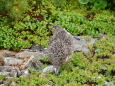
[(78, 24), (34, 26), (105, 47), (2, 77), (14, 8)]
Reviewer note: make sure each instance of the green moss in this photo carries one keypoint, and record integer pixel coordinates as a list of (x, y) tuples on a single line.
[(2, 77), (105, 47)]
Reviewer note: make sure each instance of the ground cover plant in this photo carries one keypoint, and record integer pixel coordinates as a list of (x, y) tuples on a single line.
[(35, 23), (27, 22)]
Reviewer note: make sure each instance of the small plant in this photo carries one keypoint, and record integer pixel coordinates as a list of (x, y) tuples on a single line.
[(14, 9), (97, 4), (105, 47), (2, 77)]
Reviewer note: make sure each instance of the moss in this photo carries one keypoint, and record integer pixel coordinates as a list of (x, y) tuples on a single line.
[(2, 77)]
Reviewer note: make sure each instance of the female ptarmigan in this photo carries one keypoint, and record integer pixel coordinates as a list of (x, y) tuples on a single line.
[(60, 47)]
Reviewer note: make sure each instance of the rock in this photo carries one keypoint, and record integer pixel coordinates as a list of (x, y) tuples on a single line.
[(79, 37), (85, 50), (109, 84), (5, 68), (27, 54), (9, 65), (48, 68), (82, 45), (1, 61), (104, 67), (35, 65), (12, 61), (3, 54), (7, 74), (27, 63), (13, 84), (14, 73), (6, 53), (32, 63), (9, 71), (25, 73), (2, 84)]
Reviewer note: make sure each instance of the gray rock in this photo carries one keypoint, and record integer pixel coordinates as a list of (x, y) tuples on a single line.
[(92, 41), (79, 37), (25, 73), (5, 73), (82, 45), (27, 63), (1, 56), (13, 84), (9, 71), (35, 65), (32, 63), (27, 54), (5, 68), (104, 67), (50, 68), (109, 84), (14, 73), (2, 84), (12, 61), (1, 61), (6, 53), (85, 50)]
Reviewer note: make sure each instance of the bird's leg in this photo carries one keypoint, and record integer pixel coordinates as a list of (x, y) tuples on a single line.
[(68, 59), (56, 70)]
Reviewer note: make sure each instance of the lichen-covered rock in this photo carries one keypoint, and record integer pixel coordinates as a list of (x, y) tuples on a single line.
[(35, 65), (27, 54), (9, 71), (7, 53), (12, 61), (1, 61), (48, 69), (81, 45), (25, 73), (109, 84)]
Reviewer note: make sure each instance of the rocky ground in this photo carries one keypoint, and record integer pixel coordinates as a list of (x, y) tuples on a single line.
[(17, 64)]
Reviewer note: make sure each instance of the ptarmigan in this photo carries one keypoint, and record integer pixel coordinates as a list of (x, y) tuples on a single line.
[(60, 47)]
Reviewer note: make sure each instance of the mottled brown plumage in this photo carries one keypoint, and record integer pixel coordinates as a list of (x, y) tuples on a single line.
[(60, 47)]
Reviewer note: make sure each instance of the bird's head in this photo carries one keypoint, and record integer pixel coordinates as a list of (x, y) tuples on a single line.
[(56, 28)]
